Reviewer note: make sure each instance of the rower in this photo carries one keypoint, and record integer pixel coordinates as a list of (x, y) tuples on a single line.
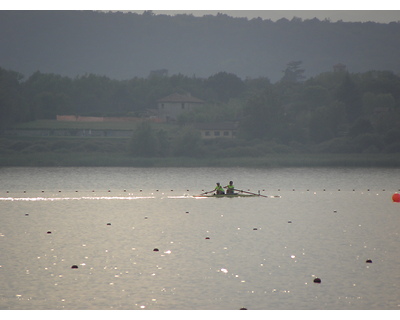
[(218, 189), (230, 188)]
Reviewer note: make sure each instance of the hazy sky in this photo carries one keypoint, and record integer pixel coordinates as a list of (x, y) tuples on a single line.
[(383, 11)]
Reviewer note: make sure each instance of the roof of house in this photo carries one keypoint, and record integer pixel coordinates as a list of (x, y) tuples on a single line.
[(177, 97)]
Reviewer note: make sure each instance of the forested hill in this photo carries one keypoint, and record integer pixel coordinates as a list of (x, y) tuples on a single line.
[(127, 45)]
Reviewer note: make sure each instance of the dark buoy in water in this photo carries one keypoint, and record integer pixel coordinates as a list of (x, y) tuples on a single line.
[(242, 309), (109, 224), (254, 228), (207, 238), (317, 280), (368, 261), (74, 266), (155, 249), (289, 221), (48, 232), (396, 197), (27, 214)]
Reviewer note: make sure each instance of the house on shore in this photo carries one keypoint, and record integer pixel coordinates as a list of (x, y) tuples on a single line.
[(170, 107), (217, 130)]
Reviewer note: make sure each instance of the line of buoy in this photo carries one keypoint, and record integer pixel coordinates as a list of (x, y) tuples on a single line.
[(158, 190)]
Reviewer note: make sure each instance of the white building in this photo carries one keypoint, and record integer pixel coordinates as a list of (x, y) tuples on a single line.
[(218, 130)]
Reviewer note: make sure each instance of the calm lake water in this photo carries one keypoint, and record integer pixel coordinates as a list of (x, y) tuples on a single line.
[(259, 253)]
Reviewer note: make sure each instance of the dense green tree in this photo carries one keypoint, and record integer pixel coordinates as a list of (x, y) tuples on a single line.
[(13, 106), (293, 72), (315, 96), (225, 86), (373, 102), (144, 141), (361, 126), (187, 143), (49, 95), (163, 143), (381, 82), (47, 105), (349, 93), (263, 113), (321, 128)]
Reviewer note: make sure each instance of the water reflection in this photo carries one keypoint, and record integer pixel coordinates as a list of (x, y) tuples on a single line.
[(254, 257)]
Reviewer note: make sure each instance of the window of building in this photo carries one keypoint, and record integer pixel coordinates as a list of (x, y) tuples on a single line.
[(207, 133), (183, 105), (217, 133), (226, 133)]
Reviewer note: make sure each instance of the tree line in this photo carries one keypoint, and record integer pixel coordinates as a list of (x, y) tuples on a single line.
[(331, 112)]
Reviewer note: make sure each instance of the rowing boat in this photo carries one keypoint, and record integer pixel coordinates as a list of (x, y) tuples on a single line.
[(228, 195)]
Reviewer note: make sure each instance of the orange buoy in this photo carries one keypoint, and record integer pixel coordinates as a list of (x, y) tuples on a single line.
[(396, 197)]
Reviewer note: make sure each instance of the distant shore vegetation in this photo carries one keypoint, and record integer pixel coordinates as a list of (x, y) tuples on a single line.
[(111, 152), (334, 119)]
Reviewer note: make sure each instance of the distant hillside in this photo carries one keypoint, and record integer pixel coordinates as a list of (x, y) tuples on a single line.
[(127, 45)]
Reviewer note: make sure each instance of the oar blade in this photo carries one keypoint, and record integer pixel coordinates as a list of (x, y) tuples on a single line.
[(256, 194)]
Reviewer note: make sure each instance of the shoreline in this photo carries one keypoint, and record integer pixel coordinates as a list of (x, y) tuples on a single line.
[(84, 159)]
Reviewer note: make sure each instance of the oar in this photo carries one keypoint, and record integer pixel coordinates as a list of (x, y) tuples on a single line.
[(206, 192), (256, 194)]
